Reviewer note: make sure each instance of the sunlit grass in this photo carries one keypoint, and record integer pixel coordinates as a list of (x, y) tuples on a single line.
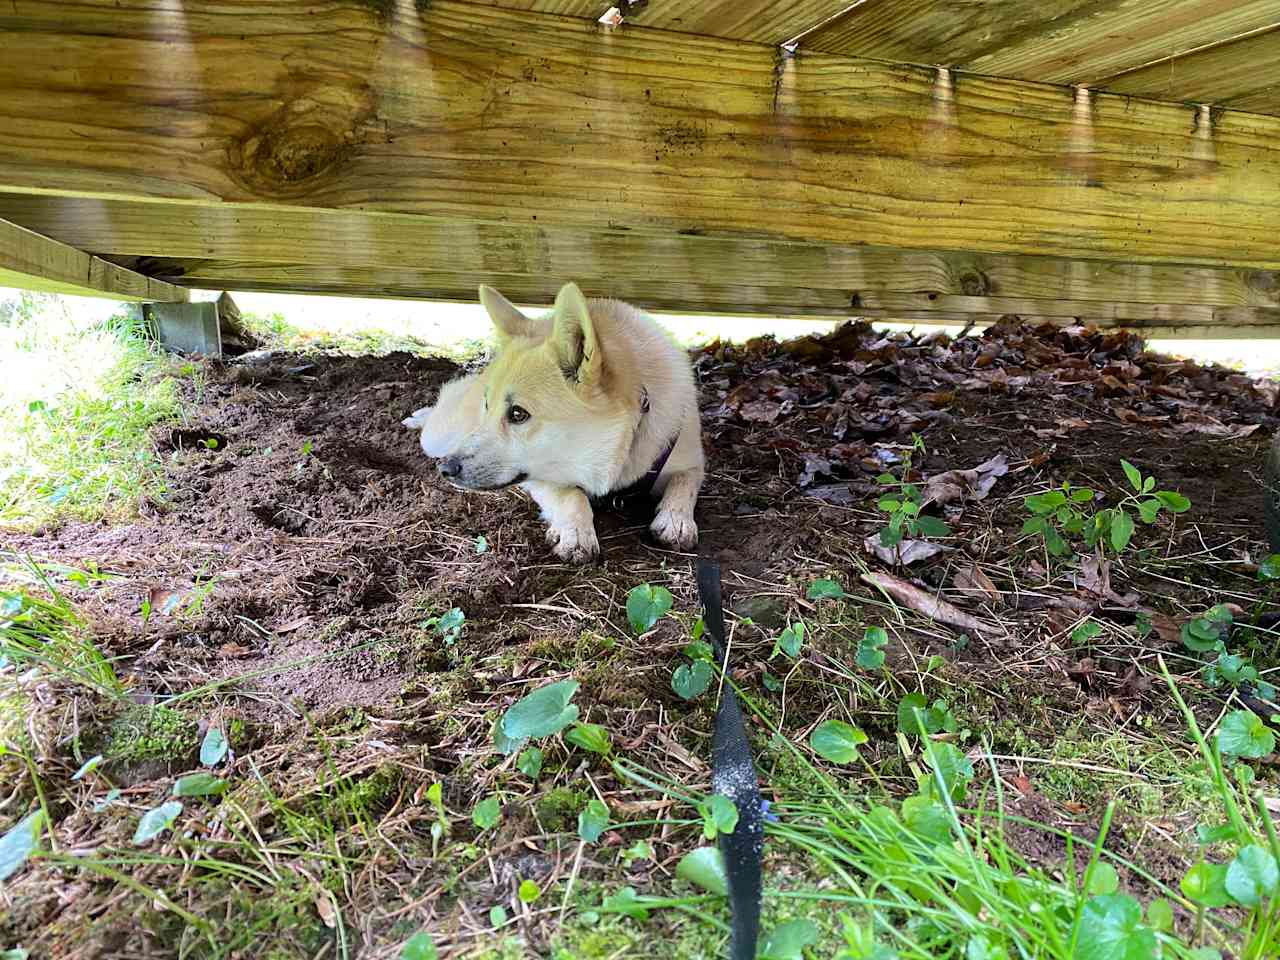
[(80, 394)]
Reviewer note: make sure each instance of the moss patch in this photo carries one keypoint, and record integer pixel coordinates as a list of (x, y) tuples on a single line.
[(145, 733)]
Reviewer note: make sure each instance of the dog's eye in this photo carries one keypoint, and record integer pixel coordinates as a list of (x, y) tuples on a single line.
[(517, 414)]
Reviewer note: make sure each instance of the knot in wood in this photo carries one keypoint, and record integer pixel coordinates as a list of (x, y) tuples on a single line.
[(1263, 281), (295, 154), (975, 283)]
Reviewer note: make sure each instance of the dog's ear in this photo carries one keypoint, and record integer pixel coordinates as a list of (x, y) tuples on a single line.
[(573, 337), (509, 321)]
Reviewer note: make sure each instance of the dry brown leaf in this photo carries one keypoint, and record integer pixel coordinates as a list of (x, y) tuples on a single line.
[(905, 553), (324, 907), (760, 411), (972, 484), (972, 580), (235, 650), (930, 606)]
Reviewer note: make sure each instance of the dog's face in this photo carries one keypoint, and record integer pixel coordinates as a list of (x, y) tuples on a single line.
[(539, 411)]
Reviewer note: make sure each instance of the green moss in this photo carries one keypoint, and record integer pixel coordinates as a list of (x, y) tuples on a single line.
[(277, 923), (150, 733), (557, 810)]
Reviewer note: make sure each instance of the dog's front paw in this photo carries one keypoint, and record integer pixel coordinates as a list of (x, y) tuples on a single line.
[(675, 529), (574, 544)]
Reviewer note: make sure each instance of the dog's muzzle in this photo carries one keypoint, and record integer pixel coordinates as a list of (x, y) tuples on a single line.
[(451, 467)]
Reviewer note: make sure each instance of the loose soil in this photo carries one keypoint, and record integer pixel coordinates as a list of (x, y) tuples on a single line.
[(305, 542)]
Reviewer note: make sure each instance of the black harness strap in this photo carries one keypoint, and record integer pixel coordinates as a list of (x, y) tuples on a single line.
[(734, 775)]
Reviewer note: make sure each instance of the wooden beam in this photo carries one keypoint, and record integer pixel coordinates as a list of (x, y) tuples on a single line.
[(938, 31), (487, 115), (761, 21), (1244, 74), (722, 299), (31, 261), (1102, 40), (709, 296), (219, 244)]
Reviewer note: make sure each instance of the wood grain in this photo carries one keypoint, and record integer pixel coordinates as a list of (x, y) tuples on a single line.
[(176, 239), (1244, 74), (1102, 40), (939, 31), (30, 261), (496, 116), (723, 298)]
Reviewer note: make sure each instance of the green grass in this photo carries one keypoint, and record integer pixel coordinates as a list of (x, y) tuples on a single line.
[(80, 394)]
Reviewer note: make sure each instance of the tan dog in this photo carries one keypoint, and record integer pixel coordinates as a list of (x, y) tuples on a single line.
[(585, 401)]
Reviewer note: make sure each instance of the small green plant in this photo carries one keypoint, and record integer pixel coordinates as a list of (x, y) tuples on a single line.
[(1207, 635), (1250, 881), (646, 605), (448, 626), (904, 509), (1065, 513), (691, 679)]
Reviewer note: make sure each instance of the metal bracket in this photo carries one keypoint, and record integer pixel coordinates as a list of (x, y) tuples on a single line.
[(185, 327)]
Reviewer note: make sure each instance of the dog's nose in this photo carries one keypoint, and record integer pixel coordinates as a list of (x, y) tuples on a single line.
[(450, 467)]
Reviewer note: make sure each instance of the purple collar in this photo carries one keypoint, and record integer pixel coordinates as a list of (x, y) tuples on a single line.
[(646, 483), (650, 479)]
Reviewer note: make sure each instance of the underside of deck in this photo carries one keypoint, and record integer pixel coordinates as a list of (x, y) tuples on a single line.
[(1106, 162)]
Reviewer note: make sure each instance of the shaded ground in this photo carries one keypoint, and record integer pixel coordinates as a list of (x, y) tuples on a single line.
[(305, 544)]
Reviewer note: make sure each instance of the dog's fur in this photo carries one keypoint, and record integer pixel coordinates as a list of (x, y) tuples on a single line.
[(606, 392)]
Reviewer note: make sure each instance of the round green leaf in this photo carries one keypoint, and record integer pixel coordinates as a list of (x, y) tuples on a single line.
[(952, 770), (704, 868), (1111, 928), (528, 891), (871, 650), (155, 822), (488, 812), (214, 747), (590, 737), (927, 818), (1103, 879), (719, 815), (1206, 883), (199, 785), (419, 947), (540, 714), (1269, 569), (1252, 876), (593, 821), (691, 679), (825, 590), (19, 843), (1243, 734), (530, 762), (837, 741), (1160, 914), (1201, 634), (788, 940), (646, 605)]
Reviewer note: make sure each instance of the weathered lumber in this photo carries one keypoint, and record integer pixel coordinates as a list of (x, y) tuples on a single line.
[(937, 31), (718, 297), (491, 115), (1101, 40), (31, 261), (189, 244), (1243, 74), (221, 244), (761, 21)]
